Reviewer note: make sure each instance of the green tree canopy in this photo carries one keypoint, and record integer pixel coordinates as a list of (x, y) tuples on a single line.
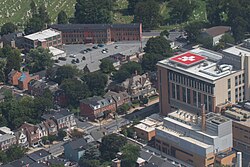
[(89, 163), (194, 30), (96, 82), (8, 28), (150, 60), (93, 11), (130, 153), (158, 45), (39, 59), (75, 90), (111, 144), (148, 12), (181, 10), (66, 72), (107, 66), (62, 17), (126, 71)]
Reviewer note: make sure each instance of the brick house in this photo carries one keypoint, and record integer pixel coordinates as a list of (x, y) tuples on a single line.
[(32, 132), (62, 117), (119, 98), (95, 107), (21, 79)]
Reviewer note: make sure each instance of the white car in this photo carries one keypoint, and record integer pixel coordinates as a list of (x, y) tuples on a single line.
[(104, 52), (72, 55)]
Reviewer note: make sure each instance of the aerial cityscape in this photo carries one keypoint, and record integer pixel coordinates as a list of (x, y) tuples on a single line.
[(124, 83)]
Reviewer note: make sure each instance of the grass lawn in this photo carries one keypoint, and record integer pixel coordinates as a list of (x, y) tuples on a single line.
[(18, 11)]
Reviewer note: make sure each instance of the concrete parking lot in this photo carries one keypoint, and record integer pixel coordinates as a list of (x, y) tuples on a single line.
[(93, 57)]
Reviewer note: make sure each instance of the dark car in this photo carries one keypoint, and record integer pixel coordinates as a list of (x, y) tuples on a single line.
[(95, 47), (88, 49), (62, 58), (100, 45), (83, 58), (77, 60)]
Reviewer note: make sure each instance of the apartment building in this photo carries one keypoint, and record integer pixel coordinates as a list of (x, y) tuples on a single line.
[(201, 76), (7, 138), (98, 33), (44, 39), (197, 140)]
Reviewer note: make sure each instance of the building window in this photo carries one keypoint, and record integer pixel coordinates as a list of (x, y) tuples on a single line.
[(194, 98), (243, 78), (236, 80), (205, 102), (188, 96), (199, 99), (184, 94), (173, 90), (178, 92), (210, 103), (229, 95), (229, 83), (239, 79)]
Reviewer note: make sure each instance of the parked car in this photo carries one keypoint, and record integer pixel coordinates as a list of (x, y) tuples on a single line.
[(100, 45), (72, 56), (73, 61), (116, 47), (83, 58), (95, 47), (88, 49), (104, 52), (62, 58), (77, 60)]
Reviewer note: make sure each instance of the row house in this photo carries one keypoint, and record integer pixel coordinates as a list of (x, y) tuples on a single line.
[(7, 138), (119, 98), (95, 107), (62, 117)]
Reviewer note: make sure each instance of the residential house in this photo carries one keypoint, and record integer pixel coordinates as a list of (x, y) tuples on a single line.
[(75, 149), (21, 138), (119, 98), (119, 57), (62, 117), (12, 39), (40, 156), (94, 107), (21, 79), (22, 162), (216, 33), (32, 132), (7, 138), (139, 86), (38, 87), (42, 130), (51, 127)]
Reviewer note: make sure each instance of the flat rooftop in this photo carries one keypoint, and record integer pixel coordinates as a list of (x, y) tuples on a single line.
[(240, 113), (237, 50), (144, 127), (42, 35), (199, 63), (183, 137)]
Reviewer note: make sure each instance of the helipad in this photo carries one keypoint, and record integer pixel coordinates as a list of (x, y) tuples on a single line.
[(187, 59)]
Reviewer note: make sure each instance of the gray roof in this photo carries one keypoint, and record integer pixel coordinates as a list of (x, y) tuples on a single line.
[(57, 114), (21, 162), (98, 134), (117, 96), (97, 100), (6, 137), (37, 155), (77, 144)]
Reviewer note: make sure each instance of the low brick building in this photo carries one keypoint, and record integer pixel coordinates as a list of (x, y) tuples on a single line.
[(95, 107)]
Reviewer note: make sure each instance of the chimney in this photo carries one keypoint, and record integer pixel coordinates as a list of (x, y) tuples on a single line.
[(239, 159), (203, 118)]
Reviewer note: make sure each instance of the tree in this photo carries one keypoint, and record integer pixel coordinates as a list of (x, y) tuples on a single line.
[(206, 41), (130, 153), (61, 134), (107, 66), (239, 27), (214, 9), (15, 152), (89, 163), (126, 71), (158, 45), (148, 12), (111, 144), (131, 5), (164, 33), (66, 72), (33, 7), (181, 10), (93, 11), (39, 59), (3, 63), (96, 83), (150, 60), (62, 17), (123, 109), (43, 15), (193, 30), (75, 90), (44, 102), (8, 28)]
